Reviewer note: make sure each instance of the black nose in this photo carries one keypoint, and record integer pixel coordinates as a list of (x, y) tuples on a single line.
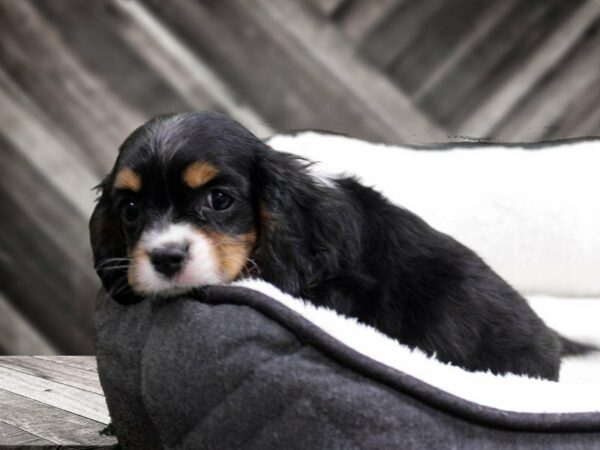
[(169, 258)]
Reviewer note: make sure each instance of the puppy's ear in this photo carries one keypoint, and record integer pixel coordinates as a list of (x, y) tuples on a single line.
[(296, 243), (109, 248)]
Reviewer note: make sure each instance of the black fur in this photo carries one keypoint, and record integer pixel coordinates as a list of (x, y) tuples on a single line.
[(346, 247)]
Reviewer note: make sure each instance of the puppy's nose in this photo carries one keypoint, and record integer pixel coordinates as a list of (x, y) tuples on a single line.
[(169, 258)]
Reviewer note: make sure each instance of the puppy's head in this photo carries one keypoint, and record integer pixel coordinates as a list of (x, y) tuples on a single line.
[(195, 199), (178, 210)]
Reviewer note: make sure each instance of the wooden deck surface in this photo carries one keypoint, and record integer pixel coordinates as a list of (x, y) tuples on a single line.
[(52, 402)]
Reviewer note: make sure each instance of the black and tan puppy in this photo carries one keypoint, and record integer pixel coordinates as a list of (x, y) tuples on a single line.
[(195, 199)]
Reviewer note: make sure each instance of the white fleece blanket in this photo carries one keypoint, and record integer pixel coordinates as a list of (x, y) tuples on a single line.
[(532, 215), (577, 391)]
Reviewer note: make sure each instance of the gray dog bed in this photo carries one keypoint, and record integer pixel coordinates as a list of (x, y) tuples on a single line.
[(246, 366), (234, 368)]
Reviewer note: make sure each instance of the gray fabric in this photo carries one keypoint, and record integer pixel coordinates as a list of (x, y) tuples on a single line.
[(232, 368)]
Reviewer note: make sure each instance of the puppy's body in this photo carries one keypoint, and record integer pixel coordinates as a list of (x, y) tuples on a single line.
[(393, 271), (196, 199)]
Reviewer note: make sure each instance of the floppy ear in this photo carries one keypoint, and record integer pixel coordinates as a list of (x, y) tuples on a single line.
[(109, 249), (297, 245)]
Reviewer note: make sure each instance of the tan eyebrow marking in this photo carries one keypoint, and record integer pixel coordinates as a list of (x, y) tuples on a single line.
[(128, 179), (199, 173)]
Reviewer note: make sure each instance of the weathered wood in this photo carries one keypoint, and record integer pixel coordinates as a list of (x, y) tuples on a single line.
[(80, 362), (48, 278), (329, 7), (32, 134), (379, 99), (48, 369), (581, 118), (50, 424), (286, 76), (112, 59), (62, 85), (361, 16), (56, 399), (14, 436), (483, 25), (440, 34), (194, 80), (84, 403), (397, 30), (17, 335), (496, 107), (570, 86), (493, 61)]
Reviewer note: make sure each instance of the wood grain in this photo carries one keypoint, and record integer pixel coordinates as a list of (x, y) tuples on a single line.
[(17, 335), (81, 362), (54, 402), (485, 118), (83, 403), (50, 424), (52, 370), (17, 437)]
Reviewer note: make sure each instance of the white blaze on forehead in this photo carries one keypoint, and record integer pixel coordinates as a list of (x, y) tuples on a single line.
[(200, 268), (176, 233)]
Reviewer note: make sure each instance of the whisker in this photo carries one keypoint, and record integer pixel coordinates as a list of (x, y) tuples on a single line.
[(103, 269), (110, 261), (120, 287), (122, 290)]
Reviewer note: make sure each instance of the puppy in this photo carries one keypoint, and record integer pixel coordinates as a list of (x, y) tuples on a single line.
[(195, 199)]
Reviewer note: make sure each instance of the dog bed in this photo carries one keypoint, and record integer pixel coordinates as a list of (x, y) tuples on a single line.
[(247, 366)]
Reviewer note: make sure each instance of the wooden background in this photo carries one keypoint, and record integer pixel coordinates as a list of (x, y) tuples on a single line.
[(77, 76)]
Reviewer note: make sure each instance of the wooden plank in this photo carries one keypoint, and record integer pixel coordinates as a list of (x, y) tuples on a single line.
[(570, 87), (438, 36), (397, 31), (45, 240), (291, 83), (81, 362), (17, 335), (56, 159), (49, 423), (92, 32), (360, 16), (63, 87), (379, 98), (185, 71), (54, 371), (70, 329), (142, 61), (62, 223), (329, 7), (57, 302), (15, 437), (581, 117), (451, 35), (492, 60), (83, 403), (496, 107)]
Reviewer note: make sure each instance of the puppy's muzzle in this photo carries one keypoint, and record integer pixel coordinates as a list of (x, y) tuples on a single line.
[(169, 258)]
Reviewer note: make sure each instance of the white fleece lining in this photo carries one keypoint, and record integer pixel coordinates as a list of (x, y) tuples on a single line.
[(577, 391)]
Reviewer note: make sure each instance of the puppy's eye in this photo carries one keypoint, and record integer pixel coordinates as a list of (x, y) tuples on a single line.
[(219, 200), (130, 212)]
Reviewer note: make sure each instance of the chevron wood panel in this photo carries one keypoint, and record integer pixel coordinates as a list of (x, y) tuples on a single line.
[(77, 77)]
